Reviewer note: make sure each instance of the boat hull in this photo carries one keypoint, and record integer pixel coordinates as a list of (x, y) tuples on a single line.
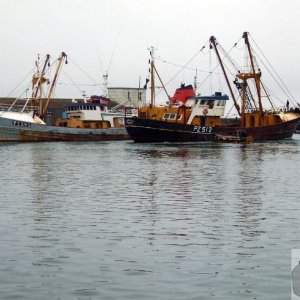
[(147, 131), (14, 130)]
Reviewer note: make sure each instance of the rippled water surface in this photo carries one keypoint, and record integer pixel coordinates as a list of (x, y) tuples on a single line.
[(119, 220)]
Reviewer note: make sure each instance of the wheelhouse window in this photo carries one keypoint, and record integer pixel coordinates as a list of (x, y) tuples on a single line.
[(168, 116)]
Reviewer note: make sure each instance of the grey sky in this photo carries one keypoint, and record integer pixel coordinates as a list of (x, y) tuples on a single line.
[(95, 32)]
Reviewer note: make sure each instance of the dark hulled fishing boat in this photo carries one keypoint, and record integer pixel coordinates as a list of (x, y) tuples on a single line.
[(191, 124), (187, 119), (190, 118)]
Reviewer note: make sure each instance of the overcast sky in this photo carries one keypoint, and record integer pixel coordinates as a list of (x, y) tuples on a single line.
[(113, 35)]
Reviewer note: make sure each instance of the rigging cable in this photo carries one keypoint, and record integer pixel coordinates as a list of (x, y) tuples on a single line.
[(84, 72), (25, 77), (189, 61), (283, 88), (225, 56), (180, 66), (113, 52), (282, 82), (73, 83), (209, 68)]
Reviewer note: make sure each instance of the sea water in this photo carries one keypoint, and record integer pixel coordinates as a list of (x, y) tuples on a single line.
[(119, 220)]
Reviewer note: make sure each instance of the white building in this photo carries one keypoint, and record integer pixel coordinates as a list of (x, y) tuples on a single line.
[(128, 96)]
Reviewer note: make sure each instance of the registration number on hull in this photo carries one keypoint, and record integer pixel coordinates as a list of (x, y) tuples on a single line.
[(202, 129), (21, 124)]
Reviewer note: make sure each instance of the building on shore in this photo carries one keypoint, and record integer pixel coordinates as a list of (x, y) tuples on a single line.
[(127, 96)]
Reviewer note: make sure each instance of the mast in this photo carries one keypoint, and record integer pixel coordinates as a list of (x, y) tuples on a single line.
[(153, 71), (256, 76), (37, 83), (105, 84), (152, 103), (214, 44), (61, 59), (195, 81)]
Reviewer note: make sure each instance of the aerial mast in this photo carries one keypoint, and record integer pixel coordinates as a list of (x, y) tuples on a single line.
[(152, 70), (61, 59), (105, 84), (37, 82), (256, 76), (214, 44), (195, 81)]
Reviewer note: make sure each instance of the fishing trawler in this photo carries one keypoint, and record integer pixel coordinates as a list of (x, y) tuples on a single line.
[(186, 119), (198, 118), (87, 120), (90, 113)]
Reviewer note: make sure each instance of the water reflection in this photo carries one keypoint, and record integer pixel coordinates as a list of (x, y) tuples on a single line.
[(123, 220), (250, 191)]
